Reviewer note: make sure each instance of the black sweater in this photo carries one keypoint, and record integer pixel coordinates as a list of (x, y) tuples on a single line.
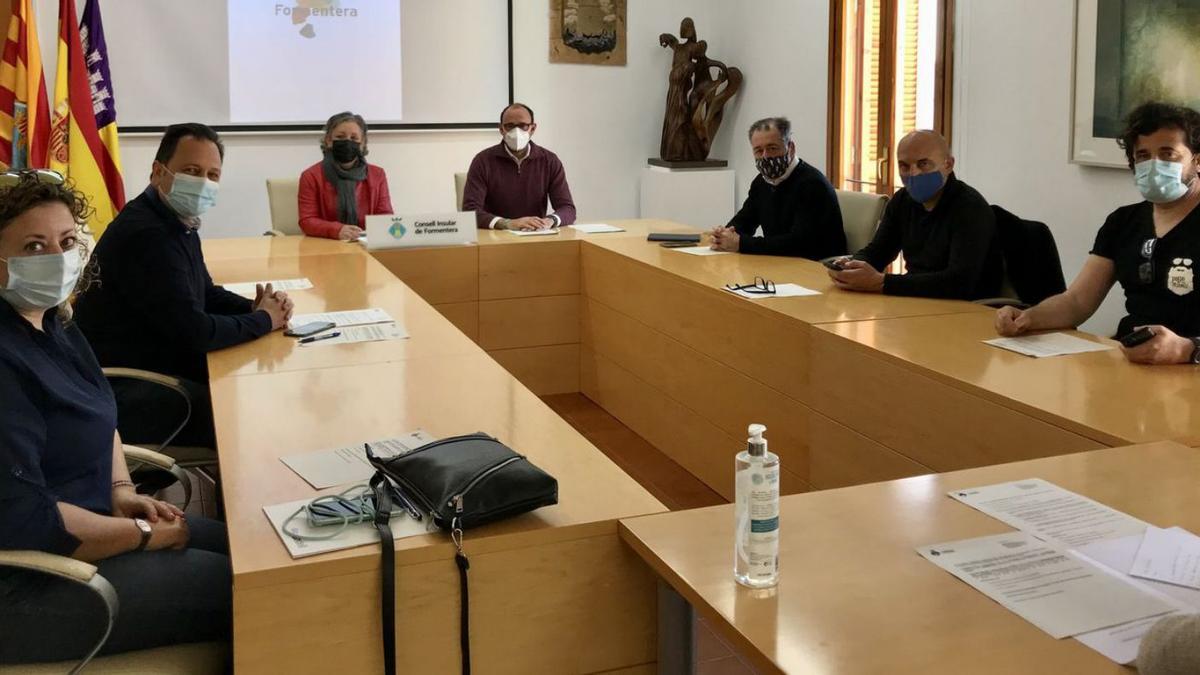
[(154, 306), (799, 217), (950, 252)]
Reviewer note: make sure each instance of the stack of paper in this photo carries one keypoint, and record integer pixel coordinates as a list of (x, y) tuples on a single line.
[(355, 317), (1053, 588), (1048, 344), (358, 534), (1111, 541), (248, 289), (596, 228)]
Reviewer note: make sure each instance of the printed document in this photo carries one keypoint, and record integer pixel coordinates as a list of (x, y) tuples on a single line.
[(1048, 344), (340, 466), (1053, 588), (354, 317), (370, 333), (248, 289), (1170, 556), (1051, 513), (698, 250)]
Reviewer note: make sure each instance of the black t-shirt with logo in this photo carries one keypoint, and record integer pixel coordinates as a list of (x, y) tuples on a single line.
[(1170, 298)]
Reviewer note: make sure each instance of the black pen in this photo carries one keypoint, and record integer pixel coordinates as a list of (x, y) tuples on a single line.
[(310, 340)]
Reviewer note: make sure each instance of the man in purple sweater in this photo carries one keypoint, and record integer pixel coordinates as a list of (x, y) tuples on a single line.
[(509, 184)]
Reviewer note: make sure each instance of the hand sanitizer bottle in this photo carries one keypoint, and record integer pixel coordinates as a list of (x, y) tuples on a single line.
[(756, 535)]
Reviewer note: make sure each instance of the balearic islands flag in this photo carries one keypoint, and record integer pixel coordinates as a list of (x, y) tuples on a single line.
[(82, 101), (24, 113)]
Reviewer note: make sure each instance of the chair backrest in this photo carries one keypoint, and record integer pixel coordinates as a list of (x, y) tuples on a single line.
[(460, 182), (1032, 268), (282, 197), (861, 213)]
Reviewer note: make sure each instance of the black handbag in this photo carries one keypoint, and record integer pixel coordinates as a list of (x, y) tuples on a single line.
[(461, 482)]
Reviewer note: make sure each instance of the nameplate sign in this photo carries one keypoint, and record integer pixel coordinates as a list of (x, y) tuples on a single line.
[(426, 229)]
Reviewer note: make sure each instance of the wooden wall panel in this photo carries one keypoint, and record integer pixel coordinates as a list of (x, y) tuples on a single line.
[(529, 322), (544, 370), (439, 275)]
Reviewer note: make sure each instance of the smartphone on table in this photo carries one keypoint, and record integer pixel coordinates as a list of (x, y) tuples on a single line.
[(311, 328)]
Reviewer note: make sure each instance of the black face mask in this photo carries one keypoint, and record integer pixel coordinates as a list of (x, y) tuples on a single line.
[(345, 150)]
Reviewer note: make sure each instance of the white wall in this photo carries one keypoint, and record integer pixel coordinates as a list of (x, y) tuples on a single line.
[(602, 121), (782, 47), (1012, 91)]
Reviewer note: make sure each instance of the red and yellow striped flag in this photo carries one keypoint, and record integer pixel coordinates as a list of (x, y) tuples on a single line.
[(77, 149), (24, 114)]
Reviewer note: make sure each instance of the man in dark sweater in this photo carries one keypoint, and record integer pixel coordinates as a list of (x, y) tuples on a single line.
[(944, 227), (153, 305), (793, 203), (509, 184)]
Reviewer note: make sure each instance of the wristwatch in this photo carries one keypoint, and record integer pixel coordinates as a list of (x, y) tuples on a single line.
[(146, 532), (1195, 358)]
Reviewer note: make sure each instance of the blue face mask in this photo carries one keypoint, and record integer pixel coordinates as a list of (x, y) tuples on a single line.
[(923, 186), (191, 196), (1159, 181)]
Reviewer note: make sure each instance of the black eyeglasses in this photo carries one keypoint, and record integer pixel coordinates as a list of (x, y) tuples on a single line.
[(760, 285), (1146, 269)]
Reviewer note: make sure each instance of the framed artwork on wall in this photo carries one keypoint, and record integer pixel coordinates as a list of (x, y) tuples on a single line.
[(1128, 52), (588, 31)]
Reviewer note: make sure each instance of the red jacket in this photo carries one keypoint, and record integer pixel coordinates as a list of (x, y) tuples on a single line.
[(317, 200)]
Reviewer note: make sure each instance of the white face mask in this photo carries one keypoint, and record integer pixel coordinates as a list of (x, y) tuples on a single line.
[(191, 196), (41, 281), (516, 139)]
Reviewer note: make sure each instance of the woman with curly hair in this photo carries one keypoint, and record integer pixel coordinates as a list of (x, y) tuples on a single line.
[(64, 484)]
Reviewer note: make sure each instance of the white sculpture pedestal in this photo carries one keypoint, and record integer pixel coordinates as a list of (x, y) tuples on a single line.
[(702, 198)]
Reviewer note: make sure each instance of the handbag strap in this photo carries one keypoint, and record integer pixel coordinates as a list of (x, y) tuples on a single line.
[(464, 620), (383, 509), (383, 513)]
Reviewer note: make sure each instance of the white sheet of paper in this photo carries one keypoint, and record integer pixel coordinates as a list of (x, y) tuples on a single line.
[(533, 233), (596, 228), (341, 466), (1053, 588), (1120, 643), (781, 291), (374, 332), (248, 289), (358, 534), (1170, 556), (698, 250), (354, 317), (1119, 555), (1048, 344), (1050, 512)]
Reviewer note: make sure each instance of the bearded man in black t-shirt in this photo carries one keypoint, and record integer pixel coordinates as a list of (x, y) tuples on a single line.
[(1151, 248)]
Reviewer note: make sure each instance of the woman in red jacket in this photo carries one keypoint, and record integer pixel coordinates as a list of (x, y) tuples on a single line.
[(340, 191)]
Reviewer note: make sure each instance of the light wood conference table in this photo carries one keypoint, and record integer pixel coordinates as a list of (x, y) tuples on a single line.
[(1097, 397), (855, 597), (551, 591)]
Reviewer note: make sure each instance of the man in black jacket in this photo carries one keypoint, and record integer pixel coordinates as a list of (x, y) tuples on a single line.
[(945, 229), (793, 203), (153, 305)]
